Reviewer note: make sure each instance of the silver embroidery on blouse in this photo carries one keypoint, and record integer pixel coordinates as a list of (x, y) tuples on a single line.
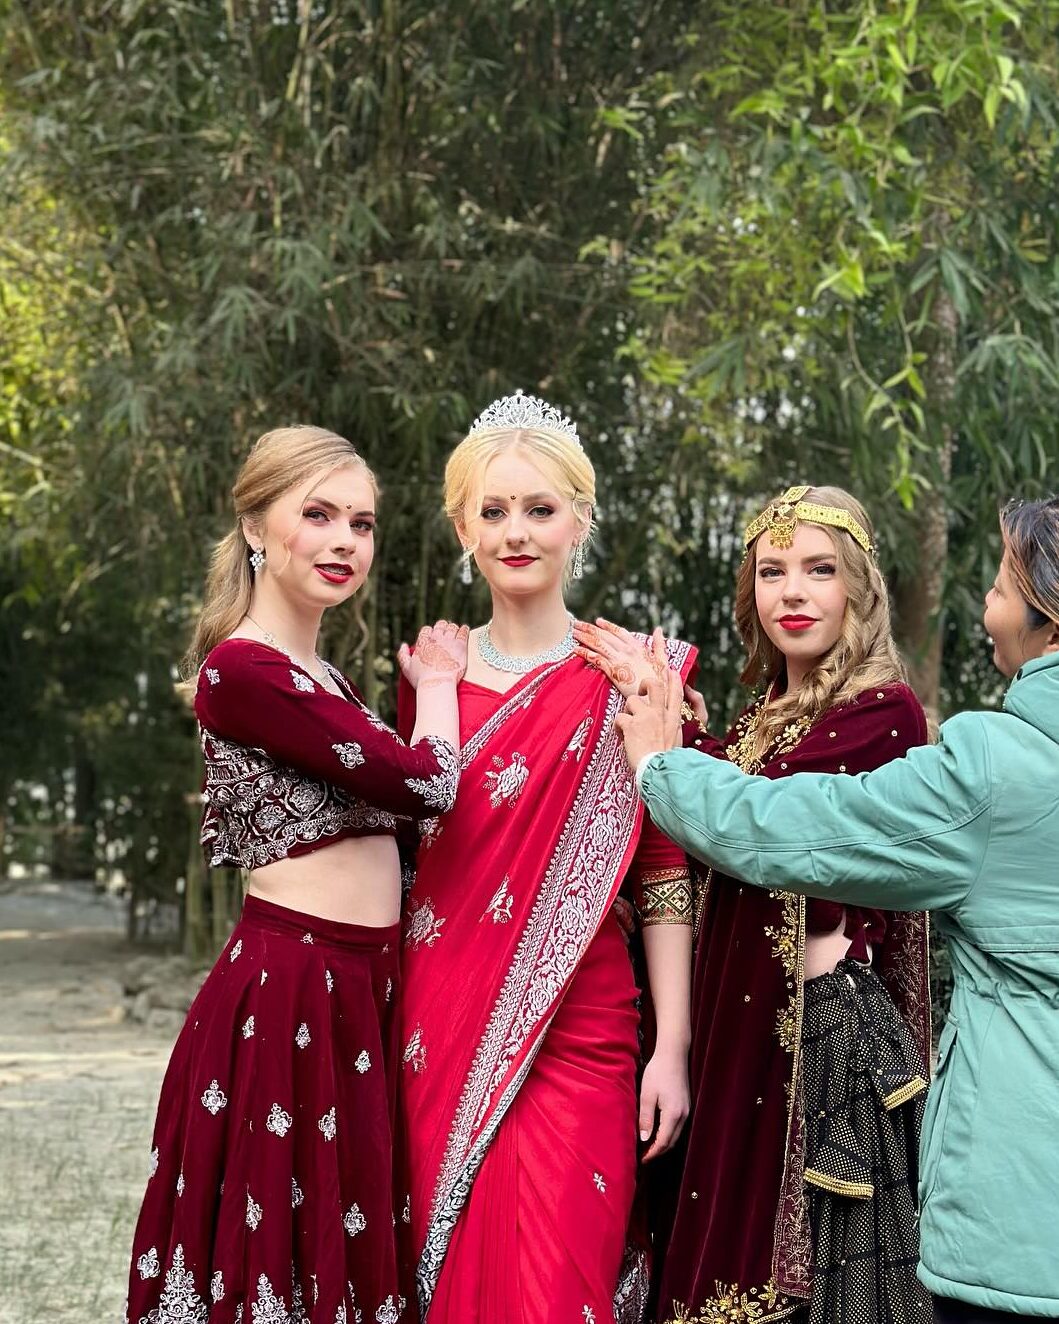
[(302, 682), (152, 1164), (213, 675), (217, 1286), (297, 1195), (439, 789), (180, 1183), (329, 980), (234, 953), (248, 1024), (253, 1212), (303, 1038), (258, 810), (327, 1125), (350, 755), (354, 1221), (363, 1062)]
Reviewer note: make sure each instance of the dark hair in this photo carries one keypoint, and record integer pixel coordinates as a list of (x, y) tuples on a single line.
[(1031, 541)]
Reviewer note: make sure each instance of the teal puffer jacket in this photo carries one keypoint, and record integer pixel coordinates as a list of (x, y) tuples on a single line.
[(968, 828)]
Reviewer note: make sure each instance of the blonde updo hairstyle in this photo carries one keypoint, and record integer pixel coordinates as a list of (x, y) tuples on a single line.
[(863, 657), (282, 459), (558, 457)]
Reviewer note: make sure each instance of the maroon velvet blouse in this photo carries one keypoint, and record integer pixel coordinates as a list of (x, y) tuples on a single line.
[(291, 767)]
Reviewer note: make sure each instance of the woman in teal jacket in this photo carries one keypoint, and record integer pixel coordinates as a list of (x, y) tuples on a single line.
[(970, 829)]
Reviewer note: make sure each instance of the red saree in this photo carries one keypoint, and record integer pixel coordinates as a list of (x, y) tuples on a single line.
[(519, 1021)]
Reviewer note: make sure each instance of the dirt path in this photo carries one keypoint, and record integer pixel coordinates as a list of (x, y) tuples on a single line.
[(78, 1087)]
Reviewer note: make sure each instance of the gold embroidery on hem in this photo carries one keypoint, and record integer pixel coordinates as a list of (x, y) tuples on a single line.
[(907, 1091), (755, 1305), (857, 1190)]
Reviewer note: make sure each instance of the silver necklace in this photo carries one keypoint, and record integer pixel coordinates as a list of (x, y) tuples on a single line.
[(321, 674), (492, 656)]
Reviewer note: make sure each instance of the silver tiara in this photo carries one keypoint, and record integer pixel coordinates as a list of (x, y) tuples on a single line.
[(524, 411)]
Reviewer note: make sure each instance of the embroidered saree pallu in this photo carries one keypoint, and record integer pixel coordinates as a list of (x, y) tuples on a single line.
[(272, 1169), (519, 1021)]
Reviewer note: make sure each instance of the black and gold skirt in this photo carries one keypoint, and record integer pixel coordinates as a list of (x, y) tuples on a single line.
[(864, 1085)]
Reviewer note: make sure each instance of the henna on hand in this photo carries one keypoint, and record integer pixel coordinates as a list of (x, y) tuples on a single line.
[(434, 655)]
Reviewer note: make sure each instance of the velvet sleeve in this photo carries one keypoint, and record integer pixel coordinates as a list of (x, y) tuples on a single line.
[(253, 695)]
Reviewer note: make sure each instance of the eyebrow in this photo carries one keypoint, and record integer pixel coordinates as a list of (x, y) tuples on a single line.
[(330, 505), (806, 560), (530, 496)]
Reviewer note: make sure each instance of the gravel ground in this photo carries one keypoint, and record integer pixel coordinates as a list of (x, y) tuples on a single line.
[(78, 1087)]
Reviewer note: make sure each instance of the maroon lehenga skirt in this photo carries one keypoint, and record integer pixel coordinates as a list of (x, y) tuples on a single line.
[(272, 1189)]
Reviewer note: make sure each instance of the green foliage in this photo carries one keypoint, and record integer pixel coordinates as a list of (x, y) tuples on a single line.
[(744, 244), (850, 257)]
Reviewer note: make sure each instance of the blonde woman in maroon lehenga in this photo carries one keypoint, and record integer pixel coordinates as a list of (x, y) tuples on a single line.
[(271, 1193)]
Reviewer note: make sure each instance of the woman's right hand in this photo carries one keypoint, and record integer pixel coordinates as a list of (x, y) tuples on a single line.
[(624, 660), (440, 655)]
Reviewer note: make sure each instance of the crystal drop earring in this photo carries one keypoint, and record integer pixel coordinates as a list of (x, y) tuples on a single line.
[(257, 559), (465, 567), (579, 561)]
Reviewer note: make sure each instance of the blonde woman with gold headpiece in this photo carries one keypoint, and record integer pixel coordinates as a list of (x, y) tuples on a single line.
[(810, 1033), (970, 828), (519, 1011)]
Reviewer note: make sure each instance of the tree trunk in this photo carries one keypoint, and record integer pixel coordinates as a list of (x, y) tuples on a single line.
[(918, 597)]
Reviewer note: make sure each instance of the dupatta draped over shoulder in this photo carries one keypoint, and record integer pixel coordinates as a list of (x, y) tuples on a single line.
[(512, 885)]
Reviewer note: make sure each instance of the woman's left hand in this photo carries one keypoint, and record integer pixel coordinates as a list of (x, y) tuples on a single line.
[(440, 656), (664, 1096), (623, 659)]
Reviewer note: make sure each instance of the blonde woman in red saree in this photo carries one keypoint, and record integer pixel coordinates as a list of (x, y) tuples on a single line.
[(520, 1021)]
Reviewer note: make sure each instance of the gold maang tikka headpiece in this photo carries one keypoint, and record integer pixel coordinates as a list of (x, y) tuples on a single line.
[(782, 516)]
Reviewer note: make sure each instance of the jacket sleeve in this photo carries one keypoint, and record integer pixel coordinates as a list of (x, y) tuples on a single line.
[(254, 696), (908, 836)]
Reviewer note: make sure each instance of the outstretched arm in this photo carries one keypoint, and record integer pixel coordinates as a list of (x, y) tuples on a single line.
[(908, 836)]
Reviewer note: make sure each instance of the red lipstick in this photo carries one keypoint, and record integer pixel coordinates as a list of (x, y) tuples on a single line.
[(518, 560), (797, 622), (336, 572)]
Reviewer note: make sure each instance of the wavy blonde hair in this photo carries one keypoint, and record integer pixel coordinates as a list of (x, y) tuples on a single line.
[(558, 456), (279, 461), (863, 657)]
